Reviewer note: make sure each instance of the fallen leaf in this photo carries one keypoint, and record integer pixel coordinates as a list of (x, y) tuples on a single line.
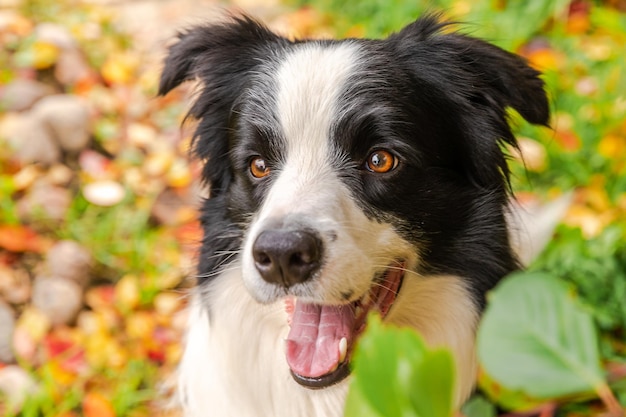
[(94, 164), (120, 68), (127, 293), (545, 59), (612, 146), (100, 298), (140, 325), (18, 238), (97, 405), (568, 139), (45, 54)]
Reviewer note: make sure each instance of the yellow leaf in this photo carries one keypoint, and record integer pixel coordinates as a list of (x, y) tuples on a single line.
[(127, 293), (120, 69), (179, 174), (45, 54), (586, 219), (158, 163), (140, 325), (34, 323), (102, 350), (533, 154), (61, 375), (167, 303), (612, 146)]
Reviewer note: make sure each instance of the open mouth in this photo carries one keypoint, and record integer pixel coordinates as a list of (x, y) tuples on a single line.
[(321, 337)]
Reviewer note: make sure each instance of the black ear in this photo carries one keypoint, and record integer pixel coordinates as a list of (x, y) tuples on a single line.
[(222, 57), (483, 80)]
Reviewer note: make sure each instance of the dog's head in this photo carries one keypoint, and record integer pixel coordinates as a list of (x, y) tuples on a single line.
[(338, 169)]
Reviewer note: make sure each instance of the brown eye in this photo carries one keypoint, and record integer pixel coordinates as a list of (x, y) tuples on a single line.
[(258, 169), (381, 161)]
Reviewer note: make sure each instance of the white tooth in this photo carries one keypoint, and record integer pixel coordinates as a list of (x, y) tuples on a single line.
[(366, 299), (343, 349), (358, 311)]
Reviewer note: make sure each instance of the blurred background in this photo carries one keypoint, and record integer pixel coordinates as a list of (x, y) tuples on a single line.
[(98, 197)]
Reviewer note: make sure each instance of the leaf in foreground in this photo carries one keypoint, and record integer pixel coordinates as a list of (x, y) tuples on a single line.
[(395, 374), (535, 337)]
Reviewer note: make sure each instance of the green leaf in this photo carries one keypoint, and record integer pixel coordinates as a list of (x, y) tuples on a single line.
[(535, 337), (478, 406), (395, 374)]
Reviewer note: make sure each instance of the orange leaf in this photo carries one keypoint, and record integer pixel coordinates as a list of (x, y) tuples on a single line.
[(568, 139), (18, 238), (189, 234), (545, 59), (96, 405)]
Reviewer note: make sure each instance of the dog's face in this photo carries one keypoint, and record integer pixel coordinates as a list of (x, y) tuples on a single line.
[(340, 169)]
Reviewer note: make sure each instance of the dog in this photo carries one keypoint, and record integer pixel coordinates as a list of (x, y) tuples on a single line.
[(345, 177)]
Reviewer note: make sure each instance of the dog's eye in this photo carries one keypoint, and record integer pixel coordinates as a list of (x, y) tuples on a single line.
[(381, 161), (258, 168)]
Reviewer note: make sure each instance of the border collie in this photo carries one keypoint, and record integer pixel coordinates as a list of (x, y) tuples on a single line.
[(345, 177)]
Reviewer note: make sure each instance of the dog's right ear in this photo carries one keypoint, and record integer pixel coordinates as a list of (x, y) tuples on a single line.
[(215, 52), (222, 57)]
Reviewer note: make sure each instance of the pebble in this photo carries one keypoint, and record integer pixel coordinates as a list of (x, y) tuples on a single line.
[(21, 94), (58, 298), (30, 138), (15, 286), (7, 327), (67, 119), (44, 199), (71, 67), (56, 35), (166, 207), (104, 193), (67, 259), (16, 385)]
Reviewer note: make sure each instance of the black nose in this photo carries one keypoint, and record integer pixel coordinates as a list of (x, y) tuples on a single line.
[(287, 257)]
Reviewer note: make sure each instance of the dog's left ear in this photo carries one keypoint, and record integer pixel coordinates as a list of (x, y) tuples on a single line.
[(483, 80)]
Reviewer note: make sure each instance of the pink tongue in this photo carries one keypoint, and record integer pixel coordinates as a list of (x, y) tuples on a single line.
[(313, 341)]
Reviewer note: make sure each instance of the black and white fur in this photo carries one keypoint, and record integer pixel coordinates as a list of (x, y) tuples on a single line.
[(314, 110)]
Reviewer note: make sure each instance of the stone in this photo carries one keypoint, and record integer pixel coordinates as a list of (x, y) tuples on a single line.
[(67, 118), (67, 259), (16, 385), (30, 139), (44, 200), (105, 193), (72, 67), (15, 285), (59, 299), (56, 35), (21, 94), (7, 327)]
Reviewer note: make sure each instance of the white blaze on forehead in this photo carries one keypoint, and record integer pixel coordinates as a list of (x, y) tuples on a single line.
[(310, 82)]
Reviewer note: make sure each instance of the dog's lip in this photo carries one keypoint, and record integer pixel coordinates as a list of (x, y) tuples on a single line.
[(331, 378), (380, 297)]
